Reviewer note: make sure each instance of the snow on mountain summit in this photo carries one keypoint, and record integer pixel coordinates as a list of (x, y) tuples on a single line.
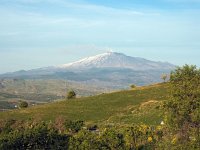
[(108, 70), (116, 60)]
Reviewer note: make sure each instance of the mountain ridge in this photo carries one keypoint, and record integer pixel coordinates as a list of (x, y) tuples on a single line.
[(109, 70), (113, 60), (116, 60)]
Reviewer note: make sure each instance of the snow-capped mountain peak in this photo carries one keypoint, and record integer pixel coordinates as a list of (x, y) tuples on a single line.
[(109, 70), (116, 60), (89, 60)]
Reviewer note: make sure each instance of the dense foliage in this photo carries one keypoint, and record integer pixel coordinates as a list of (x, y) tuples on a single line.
[(32, 136), (183, 109), (40, 135)]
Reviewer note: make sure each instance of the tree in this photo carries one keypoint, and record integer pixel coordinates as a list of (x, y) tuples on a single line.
[(71, 94), (23, 104), (183, 110), (164, 77), (133, 86)]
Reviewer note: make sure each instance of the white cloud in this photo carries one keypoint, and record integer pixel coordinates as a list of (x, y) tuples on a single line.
[(78, 7)]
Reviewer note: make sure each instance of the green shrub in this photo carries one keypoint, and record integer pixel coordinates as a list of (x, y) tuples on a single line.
[(133, 86), (23, 104), (183, 109), (112, 139), (71, 94), (34, 137), (85, 140), (74, 126)]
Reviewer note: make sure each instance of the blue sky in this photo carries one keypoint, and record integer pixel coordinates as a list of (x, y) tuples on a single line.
[(38, 33)]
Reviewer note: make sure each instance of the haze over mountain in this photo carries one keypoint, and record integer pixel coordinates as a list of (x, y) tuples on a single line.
[(110, 70)]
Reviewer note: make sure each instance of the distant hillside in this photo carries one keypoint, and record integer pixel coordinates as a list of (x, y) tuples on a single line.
[(131, 106), (41, 91)]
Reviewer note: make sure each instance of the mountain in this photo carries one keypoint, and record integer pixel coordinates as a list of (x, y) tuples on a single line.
[(117, 60), (109, 70)]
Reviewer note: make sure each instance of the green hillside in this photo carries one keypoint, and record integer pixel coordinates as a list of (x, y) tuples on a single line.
[(37, 91), (132, 106)]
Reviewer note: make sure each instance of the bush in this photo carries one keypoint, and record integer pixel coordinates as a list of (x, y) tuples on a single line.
[(85, 140), (35, 137), (23, 104), (74, 126), (182, 111), (71, 94), (133, 86), (112, 139)]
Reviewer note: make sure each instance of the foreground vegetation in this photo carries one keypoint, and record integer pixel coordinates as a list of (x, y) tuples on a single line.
[(63, 134), (121, 120)]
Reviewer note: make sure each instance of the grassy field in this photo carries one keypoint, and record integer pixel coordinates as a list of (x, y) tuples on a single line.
[(124, 107)]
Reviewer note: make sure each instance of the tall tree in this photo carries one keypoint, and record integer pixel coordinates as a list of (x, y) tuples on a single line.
[(183, 110)]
